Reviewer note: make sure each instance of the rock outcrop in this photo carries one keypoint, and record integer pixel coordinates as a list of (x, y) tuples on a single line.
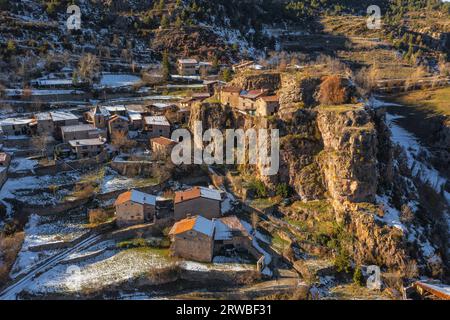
[(297, 90), (349, 158), (248, 81)]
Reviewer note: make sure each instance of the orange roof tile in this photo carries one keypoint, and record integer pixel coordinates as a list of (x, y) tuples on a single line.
[(270, 98), (183, 226), (187, 194), (163, 141), (123, 197)]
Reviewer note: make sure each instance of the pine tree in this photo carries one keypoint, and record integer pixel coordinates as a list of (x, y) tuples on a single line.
[(165, 66)]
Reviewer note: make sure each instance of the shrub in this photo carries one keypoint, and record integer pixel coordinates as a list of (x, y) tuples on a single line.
[(259, 188), (282, 190), (342, 261), (358, 277), (97, 216), (332, 91)]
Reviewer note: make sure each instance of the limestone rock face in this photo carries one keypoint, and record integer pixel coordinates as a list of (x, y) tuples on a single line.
[(300, 145), (349, 158), (295, 91), (342, 155), (375, 243), (270, 81)]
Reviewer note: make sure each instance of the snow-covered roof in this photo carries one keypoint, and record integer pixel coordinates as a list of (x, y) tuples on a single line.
[(222, 231), (43, 116), (134, 116), (15, 121), (161, 105), (118, 108), (54, 82), (157, 120), (187, 61), (210, 193), (87, 142), (62, 116), (138, 197), (197, 192), (78, 127), (197, 223)]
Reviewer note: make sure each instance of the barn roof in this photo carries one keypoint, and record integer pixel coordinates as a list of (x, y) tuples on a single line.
[(136, 196), (197, 223), (197, 192)]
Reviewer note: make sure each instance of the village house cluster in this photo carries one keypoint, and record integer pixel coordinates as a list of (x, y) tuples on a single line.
[(70, 136), (255, 102), (201, 226)]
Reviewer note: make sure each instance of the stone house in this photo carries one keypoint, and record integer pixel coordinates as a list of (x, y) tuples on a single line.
[(117, 127), (86, 148), (231, 233), (187, 67), (267, 106), (135, 207), (193, 238), (136, 120), (5, 159), (230, 96), (44, 123), (16, 126), (162, 147), (183, 115), (79, 132), (51, 122), (136, 114), (100, 117), (198, 199), (248, 99), (61, 119), (205, 67), (198, 238), (157, 126)]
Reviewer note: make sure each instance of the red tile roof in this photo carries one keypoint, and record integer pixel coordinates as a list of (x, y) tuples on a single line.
[(163, 141), (270, 98), (123, 197), (189, 194), (183, 226)]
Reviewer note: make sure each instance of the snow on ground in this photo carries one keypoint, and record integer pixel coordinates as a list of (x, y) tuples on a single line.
[(258, 236), (110, 268), (19, 188), (21, 164), (413, 149), (215, 266), (391, 215), (42, 92), (44, 230), (375, 103), (117, 80), (113, 181)]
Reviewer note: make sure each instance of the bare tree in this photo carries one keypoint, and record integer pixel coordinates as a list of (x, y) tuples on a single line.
[(40, 142), (89, 68), (332, 91)]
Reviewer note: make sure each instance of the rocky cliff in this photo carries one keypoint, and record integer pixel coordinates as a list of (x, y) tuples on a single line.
[(344, 155)]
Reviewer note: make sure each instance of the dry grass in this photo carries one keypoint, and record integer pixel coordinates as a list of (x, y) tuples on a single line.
[(435, 100), (9, 248)]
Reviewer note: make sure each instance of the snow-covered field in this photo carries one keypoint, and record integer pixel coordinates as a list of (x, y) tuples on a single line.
[(115, 267), (26, 189), (21, 164), (44, 230)]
